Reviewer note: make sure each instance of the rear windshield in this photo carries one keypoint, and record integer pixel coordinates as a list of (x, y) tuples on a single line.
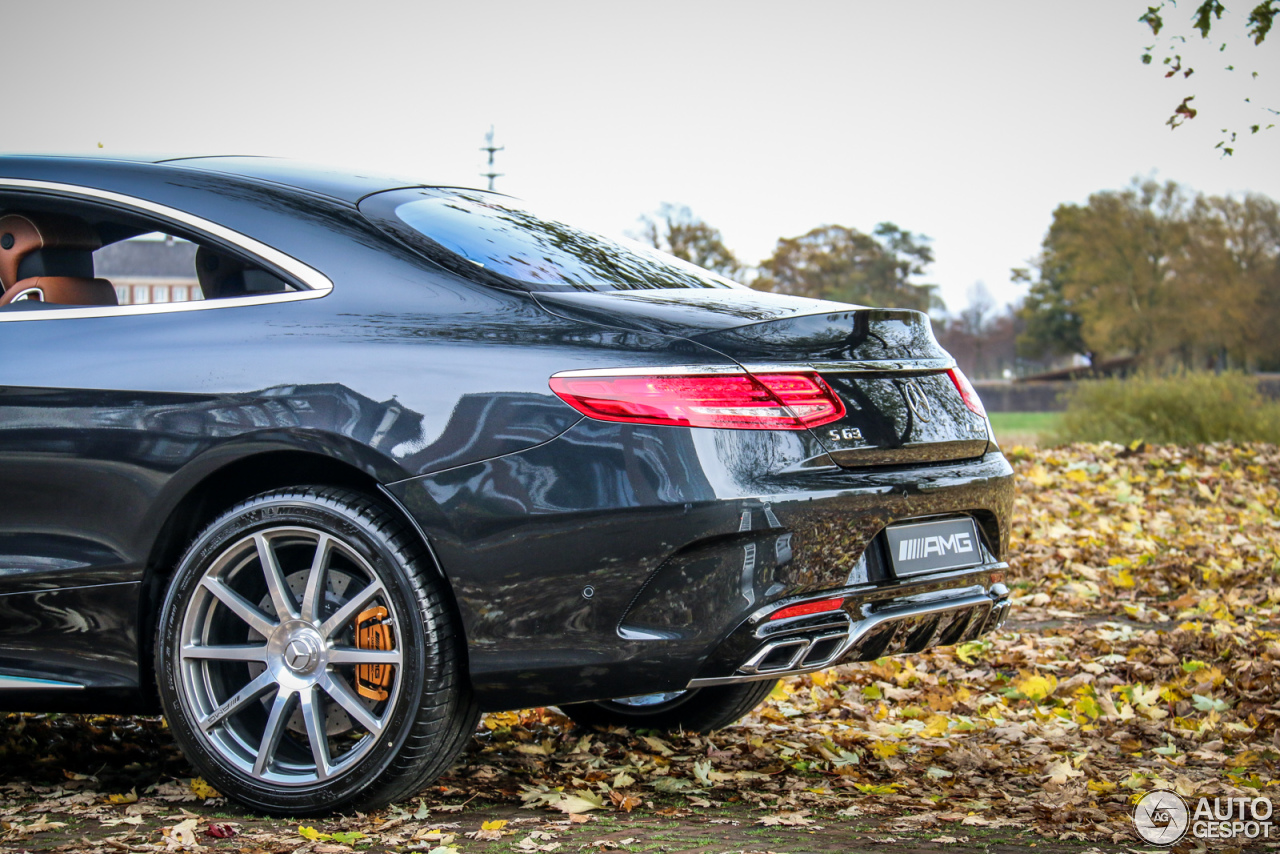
[(493, 234)]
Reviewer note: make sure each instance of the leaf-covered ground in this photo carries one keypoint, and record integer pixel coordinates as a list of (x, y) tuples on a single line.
[(1142, 653)]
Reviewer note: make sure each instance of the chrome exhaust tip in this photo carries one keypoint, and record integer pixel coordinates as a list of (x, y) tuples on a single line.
[(891, 631), (776, 657), (796, 654)]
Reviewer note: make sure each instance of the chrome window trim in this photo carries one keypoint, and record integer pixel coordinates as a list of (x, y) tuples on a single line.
[(320, 285), (884, 366)]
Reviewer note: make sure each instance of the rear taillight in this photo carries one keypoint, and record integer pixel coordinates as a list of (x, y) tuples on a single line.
[(806, 608), (967, 394), (738, 401)]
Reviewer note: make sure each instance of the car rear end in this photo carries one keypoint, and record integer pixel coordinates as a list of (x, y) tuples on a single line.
[(890, 539), (759, 485)]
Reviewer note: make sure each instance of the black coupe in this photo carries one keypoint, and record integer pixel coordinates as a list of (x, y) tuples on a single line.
[(325, 465)]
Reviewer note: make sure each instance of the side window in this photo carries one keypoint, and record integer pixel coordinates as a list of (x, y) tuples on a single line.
[(57, 253), (150, 268)]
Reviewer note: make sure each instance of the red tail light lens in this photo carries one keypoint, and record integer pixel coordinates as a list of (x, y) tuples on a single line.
[(967, 394), (807, 608), (808, 397), (739, 401)]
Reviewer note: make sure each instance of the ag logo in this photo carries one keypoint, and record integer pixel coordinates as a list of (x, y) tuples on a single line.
[(917, 401), (1161, 817)]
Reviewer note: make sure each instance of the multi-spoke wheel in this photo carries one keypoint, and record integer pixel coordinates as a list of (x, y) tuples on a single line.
[(306, 659), (695, 710)]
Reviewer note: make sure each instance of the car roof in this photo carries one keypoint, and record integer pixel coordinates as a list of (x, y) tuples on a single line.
[(335, 182)]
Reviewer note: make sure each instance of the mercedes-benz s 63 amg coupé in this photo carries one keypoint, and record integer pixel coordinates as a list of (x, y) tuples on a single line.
[(325, 465)]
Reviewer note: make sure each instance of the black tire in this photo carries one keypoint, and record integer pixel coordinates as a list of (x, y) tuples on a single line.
[(694, 710), (395, 713)]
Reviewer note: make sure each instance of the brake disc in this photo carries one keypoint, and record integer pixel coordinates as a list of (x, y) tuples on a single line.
[(336, 719)]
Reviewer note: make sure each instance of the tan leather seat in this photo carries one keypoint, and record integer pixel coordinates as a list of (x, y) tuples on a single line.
[(50, 258)]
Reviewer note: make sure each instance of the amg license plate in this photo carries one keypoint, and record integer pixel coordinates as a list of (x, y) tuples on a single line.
[(919, 547)]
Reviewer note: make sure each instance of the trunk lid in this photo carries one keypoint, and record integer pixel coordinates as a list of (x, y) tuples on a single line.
[(885, 364)]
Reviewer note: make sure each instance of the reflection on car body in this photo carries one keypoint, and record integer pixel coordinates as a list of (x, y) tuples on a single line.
[(415, 452)]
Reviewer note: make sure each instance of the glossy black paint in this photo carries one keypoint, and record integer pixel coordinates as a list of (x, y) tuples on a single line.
[(761, 329), (81, 635), (680, 534), (121, 435)]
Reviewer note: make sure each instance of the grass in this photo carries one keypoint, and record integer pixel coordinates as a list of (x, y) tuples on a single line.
[(1183, 408), (1024, 428)]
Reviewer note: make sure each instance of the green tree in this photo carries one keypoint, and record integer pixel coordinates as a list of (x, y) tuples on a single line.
[(1115, 257), (674, 229), (1155, 272), (839, 263), (1206, 15), (1052, 327), (1228, 283)]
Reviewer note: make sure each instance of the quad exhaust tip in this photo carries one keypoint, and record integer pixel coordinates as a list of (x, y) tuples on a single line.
[(789, 654), (888, 632)]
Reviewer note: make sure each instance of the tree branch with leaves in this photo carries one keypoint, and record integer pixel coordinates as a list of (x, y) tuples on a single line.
[(1207, 21)]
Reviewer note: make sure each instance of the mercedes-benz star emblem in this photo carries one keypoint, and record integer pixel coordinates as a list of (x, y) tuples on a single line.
[(299, 655), (917, 401)]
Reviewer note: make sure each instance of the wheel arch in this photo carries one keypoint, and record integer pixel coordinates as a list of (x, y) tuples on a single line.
[(219, 489)]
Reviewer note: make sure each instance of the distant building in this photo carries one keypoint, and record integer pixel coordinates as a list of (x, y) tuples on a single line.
[(147, 270)]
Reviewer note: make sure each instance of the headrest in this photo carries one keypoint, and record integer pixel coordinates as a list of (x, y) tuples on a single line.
[(56, 262), (226, 276), (63, 246), (219, 275)]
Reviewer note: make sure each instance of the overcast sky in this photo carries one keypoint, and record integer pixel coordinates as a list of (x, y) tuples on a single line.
[(966, 121)]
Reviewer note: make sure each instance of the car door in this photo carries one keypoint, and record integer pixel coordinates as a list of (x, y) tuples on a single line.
[(99, 407)]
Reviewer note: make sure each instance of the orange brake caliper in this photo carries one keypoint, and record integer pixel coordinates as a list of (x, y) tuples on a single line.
[(372, 680)]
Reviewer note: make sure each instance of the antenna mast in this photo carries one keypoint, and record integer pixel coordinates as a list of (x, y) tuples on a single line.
[(492, 149)]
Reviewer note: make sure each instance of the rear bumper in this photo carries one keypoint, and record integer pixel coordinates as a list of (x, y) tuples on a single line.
[(933, 612), (628, 559)]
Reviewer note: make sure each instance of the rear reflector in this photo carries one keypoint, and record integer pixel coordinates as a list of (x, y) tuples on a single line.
[(808, 608), (738, 401), (967, 394)]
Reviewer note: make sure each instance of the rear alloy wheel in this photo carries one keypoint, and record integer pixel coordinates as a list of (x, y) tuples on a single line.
[(693, 710), (306, 659)]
